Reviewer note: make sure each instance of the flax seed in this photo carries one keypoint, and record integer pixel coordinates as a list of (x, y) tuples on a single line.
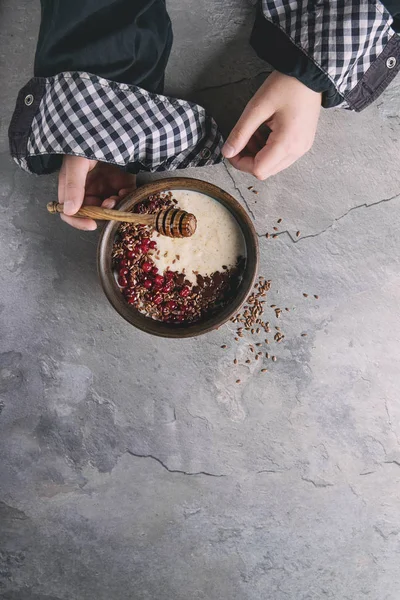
[(274, 358), (303, 335), (305, 295), (275, 235), (235, 362), (238, 381), (264, 370), (248, 361), (298, 233), (279, 221), (224, 346), (275, 229), (267, 236), (316, 297)]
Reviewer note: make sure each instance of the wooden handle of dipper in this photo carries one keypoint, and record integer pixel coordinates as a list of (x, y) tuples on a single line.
[(172, 222)]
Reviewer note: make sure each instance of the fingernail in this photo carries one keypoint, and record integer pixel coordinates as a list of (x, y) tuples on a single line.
[(69, 207), (110, 204), (228, 150), (91, 227)]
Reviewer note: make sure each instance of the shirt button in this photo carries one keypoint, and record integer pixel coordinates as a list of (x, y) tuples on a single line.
[(28, 100), (391, 62)]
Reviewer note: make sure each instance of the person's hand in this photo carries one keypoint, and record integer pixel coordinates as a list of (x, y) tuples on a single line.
[(84, 181), (290, 110)]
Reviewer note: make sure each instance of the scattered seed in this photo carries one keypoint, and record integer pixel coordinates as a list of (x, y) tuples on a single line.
[(305, 295), (298, 233), (254, 191), (259, 353), (264, 370), (267, 235), (224, 346), (275, 235), (250, 187), (248, 361), (274, 358), (236, 339), (275, 229), (316, 297), (303, 335), (287, 309), (257, 357), (238, 381), (279, 221), (266, 355), (266, 341), (273, 305), (251, 349), (235, 362)]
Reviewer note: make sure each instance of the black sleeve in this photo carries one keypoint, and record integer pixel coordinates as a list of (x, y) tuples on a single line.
[(348, 51), (99, 74)]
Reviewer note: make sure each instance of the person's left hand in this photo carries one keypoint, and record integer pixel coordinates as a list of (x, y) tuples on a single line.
[(290, 110), (88, 182)]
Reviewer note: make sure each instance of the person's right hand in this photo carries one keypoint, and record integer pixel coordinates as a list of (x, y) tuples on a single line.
[(83, 181)]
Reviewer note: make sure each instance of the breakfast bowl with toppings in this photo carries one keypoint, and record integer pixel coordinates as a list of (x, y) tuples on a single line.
[(179, 287)]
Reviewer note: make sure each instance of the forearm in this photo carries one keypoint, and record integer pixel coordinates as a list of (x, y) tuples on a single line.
[(348, 51), (127, 41), (99, 69)]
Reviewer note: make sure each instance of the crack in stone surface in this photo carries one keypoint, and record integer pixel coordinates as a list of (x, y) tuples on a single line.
[(322, 484), (173, 470), (313, 235), (224, 85), (238, 191)]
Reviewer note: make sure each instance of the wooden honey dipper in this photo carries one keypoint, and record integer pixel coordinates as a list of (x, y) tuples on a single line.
[(172, 222)]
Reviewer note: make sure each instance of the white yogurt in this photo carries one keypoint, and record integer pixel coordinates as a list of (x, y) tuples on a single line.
[(217, 242)]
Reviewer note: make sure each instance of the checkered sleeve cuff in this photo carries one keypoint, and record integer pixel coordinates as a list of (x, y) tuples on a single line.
[(85, 115), (345, 49)]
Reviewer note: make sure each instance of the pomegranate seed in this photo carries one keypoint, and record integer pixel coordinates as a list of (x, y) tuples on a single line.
[(122, 281), (131, 299), (167, 287), (147, 266), (153, 244), (137, 249), (131, 254), (123, 272), (123, 263), (172, 305), (169, 275), (179, 318), (157, 299), (159, 280), (154, 270), (185, 291), (147, 284)]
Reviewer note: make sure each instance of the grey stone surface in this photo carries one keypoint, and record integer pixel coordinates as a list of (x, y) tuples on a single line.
[(134, 467)]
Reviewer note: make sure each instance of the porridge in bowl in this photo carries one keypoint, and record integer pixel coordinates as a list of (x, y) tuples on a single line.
[(180, 280)]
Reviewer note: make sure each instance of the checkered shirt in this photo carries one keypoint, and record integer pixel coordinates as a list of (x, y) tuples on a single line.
[(85, 115), (342, 37)]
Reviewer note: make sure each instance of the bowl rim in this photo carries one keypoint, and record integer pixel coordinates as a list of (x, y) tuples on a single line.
[(151, 326)]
